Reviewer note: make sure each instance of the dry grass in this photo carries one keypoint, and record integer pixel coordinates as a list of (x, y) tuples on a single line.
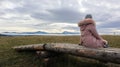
[(10, 58)]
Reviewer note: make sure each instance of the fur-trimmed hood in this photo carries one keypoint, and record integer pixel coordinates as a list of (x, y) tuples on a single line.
[(84, 23)]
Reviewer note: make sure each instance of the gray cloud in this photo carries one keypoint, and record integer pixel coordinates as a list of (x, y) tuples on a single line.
[(72, 28), (59, 15), (61, 11), (105, 12), (111, 24)]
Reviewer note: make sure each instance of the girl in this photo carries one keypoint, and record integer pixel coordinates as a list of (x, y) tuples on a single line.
[(89, 36)]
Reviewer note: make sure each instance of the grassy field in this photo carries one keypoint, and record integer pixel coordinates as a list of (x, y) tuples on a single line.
[(11, 58)]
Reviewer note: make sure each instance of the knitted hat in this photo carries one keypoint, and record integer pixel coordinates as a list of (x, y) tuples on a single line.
[(88, 16)]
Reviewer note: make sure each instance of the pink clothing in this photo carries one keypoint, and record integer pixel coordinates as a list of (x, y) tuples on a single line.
[(89, 36)]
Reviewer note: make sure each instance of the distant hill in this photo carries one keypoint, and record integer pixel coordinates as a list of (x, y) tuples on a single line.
[(2, 35), (36, 33), (66, 32)]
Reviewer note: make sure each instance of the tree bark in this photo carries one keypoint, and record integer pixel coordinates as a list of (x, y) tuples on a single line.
[(33, 47), (102, 54)]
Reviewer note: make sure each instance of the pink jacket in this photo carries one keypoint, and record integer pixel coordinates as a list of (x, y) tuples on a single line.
[(89, 36)]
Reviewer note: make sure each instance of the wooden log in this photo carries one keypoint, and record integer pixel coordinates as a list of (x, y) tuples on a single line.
[(32, 47), (47, 54), (102, 54)]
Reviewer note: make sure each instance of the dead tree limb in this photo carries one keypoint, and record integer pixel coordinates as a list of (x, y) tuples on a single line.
[(102, 54)]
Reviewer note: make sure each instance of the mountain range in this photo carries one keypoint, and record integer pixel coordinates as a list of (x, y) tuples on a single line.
[(36, 33)]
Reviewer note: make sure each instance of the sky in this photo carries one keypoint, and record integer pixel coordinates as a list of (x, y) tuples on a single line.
[(56, 16)]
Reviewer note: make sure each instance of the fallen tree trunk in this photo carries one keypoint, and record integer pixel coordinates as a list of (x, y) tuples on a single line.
[(32, 47), (102, 54)]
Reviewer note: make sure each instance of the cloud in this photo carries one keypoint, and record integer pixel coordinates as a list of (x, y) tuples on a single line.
[(111, 24), (105, 13), (59, 15), (53, 15), (57, 27)]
